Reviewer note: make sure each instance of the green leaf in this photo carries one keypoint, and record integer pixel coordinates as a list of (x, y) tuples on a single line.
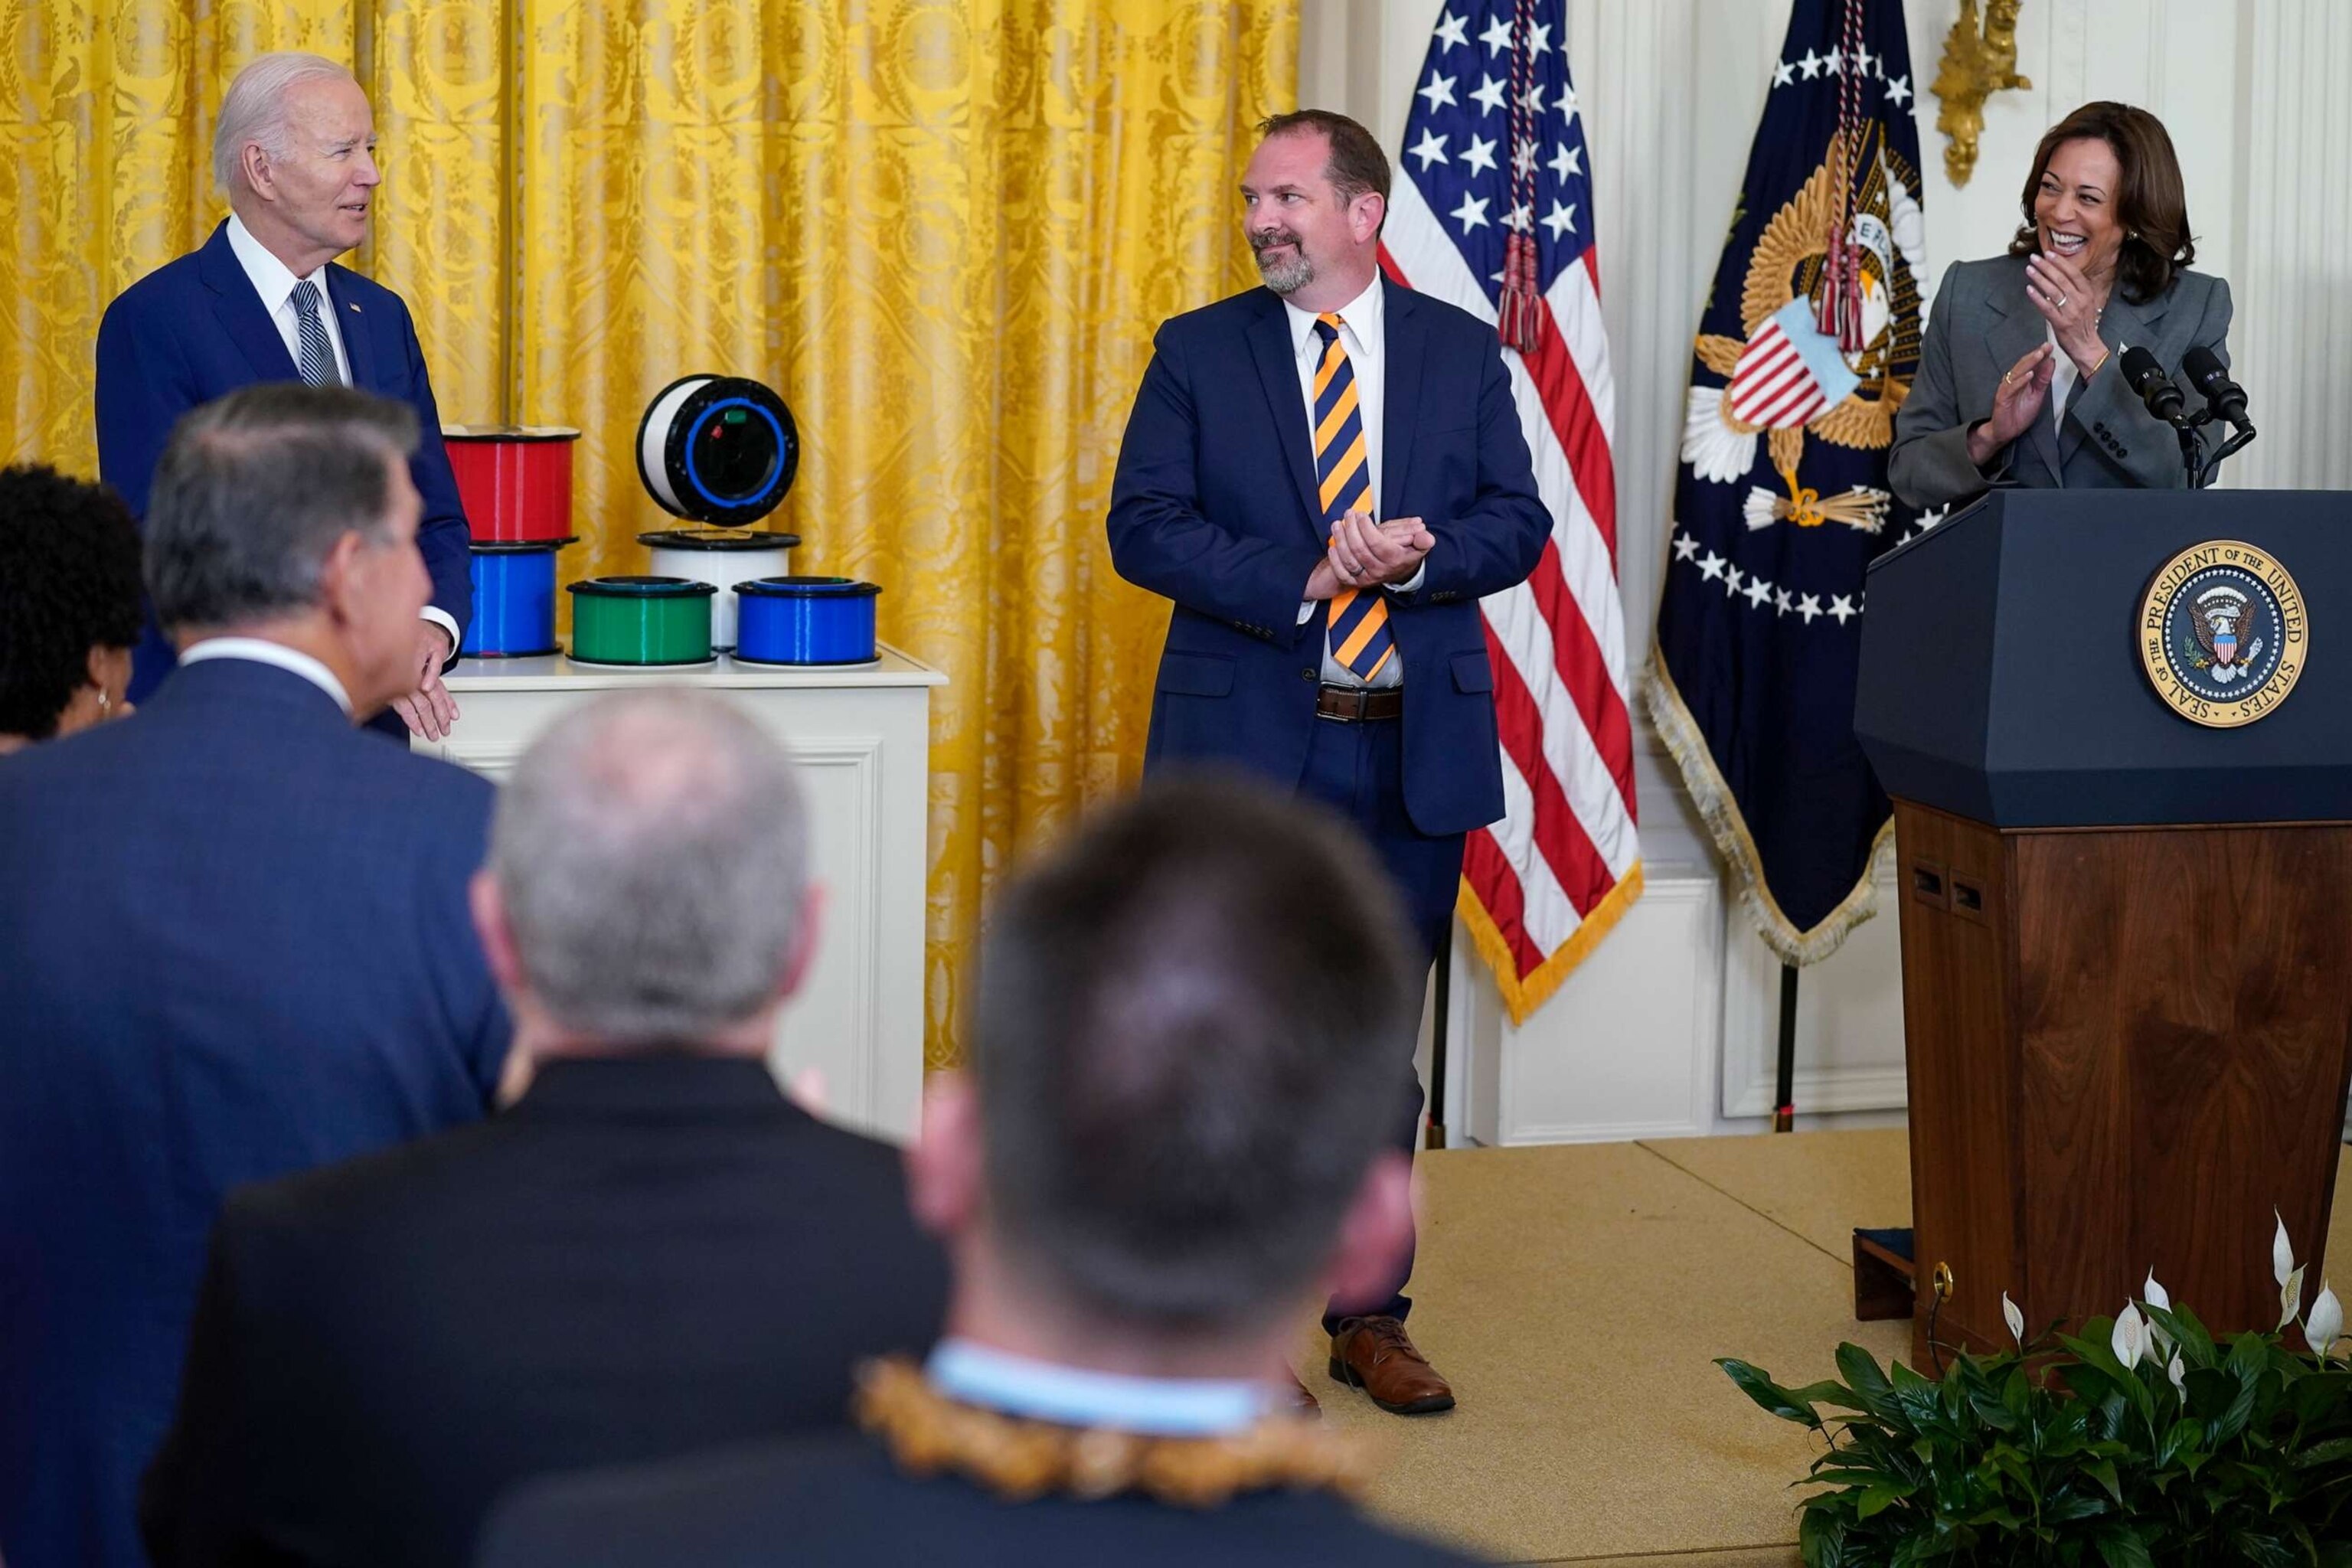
[(1862, 1374), (2181, 1440), (2072, 1506), (1774, 1399), (2103, 1472), (1877, 1499), (2232, 1421), (2315, 1395), (2335, 1450), (2120, 1546), (2265, 1549), (2196, 1344), (1821, 1536)]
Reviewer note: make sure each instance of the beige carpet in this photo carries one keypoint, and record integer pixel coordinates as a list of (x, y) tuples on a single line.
[(1575, 1297)]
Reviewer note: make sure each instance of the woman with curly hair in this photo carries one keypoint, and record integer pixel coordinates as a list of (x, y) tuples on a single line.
[(69, 605)]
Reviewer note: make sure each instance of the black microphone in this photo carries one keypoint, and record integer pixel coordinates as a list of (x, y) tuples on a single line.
[(2210, 376), (2147, 378)]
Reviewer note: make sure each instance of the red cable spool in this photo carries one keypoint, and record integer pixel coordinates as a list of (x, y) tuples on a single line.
[(515, 480)]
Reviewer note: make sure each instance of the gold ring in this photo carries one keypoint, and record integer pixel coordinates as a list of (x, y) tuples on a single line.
[(2005, 376)]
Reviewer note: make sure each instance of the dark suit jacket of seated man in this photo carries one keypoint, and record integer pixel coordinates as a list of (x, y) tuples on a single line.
[(232, 943), (199, 326), (841, 1504), (652, 1251), (1167, 1137)]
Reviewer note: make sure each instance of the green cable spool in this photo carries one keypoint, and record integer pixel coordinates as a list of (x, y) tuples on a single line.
[(641, 620)]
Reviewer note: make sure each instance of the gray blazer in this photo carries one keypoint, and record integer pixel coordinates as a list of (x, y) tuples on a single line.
[(1981, 324)]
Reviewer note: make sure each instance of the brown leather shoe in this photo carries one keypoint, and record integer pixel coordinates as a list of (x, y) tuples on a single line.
[(1302, 1402), (1375, 1356)]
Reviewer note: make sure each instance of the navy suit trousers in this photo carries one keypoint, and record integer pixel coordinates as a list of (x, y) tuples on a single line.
[(1357, 770)]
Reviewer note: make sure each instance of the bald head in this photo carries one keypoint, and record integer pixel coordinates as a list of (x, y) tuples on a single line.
[(651, 854)]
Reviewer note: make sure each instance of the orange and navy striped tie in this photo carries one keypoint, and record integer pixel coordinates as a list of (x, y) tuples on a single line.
[(1360, 621)]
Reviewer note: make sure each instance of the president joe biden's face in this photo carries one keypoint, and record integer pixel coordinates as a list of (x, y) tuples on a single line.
[(325, 184)]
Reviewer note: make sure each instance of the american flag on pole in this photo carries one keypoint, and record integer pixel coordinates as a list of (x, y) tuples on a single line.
[(1492, 211)]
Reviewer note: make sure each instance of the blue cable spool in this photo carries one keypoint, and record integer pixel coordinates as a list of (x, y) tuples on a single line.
[(804, 620), (514, 601)]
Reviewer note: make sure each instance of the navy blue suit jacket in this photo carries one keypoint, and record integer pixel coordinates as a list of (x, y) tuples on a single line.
[(840, 1502), (193, 329), (1215, 507), (234, 943)]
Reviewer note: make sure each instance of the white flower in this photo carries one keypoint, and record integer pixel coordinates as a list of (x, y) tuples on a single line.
[(2129, 1339), (2282, 1252), (2291, 1298), (2179, 1378), (1714, 449), (2325, 1324), (2016, 1320), (2155, 1295)]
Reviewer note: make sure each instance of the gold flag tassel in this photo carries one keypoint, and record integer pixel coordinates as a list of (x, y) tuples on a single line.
[(1861, 506)]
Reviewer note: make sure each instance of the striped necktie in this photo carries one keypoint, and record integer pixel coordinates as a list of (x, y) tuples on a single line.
[(1360, 621), (318, 354)]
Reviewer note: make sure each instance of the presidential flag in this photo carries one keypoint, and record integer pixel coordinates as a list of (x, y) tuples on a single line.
[(1806, 349), (1492, 211)]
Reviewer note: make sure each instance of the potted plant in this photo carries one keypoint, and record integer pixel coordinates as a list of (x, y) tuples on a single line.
[(2140, 1442)]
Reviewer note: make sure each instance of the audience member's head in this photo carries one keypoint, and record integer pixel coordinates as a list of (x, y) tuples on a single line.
[(294, 152), (69, 605), (647, 887), (1182, 1084), (287, 513)]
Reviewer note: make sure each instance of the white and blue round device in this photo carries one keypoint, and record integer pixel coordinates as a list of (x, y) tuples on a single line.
[(719, 449)]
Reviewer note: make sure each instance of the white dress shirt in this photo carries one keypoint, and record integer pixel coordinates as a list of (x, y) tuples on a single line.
[(260, 651), (1078, 1396), (1363, 334), (275, 282)]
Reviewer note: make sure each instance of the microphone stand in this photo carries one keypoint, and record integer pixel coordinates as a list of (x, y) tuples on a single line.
[(2192, 454), (2193, 461)]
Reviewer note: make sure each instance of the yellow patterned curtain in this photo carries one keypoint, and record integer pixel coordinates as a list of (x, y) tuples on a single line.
[(944, 229)]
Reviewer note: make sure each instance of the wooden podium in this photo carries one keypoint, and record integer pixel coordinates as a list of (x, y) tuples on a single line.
[(2127, 937)]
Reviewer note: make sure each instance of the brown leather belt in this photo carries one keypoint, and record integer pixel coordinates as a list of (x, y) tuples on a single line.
[(1359, 704)]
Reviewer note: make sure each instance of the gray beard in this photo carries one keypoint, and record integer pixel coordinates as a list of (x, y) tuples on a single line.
[(1287, 276)]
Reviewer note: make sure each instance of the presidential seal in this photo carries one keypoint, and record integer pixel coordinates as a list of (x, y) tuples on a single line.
[(2221, 633)]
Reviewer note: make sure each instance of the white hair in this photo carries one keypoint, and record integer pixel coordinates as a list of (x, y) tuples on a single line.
[(253, 110), (653, 852)]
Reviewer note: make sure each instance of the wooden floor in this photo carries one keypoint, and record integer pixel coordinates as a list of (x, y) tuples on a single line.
[(1576, 1297)]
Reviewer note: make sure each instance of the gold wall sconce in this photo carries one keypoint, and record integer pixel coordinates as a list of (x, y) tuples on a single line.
[(1979, 61)]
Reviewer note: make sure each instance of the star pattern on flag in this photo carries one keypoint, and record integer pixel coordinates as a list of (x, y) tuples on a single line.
[(1458, 146), (1895, 89), (1762, 593)]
